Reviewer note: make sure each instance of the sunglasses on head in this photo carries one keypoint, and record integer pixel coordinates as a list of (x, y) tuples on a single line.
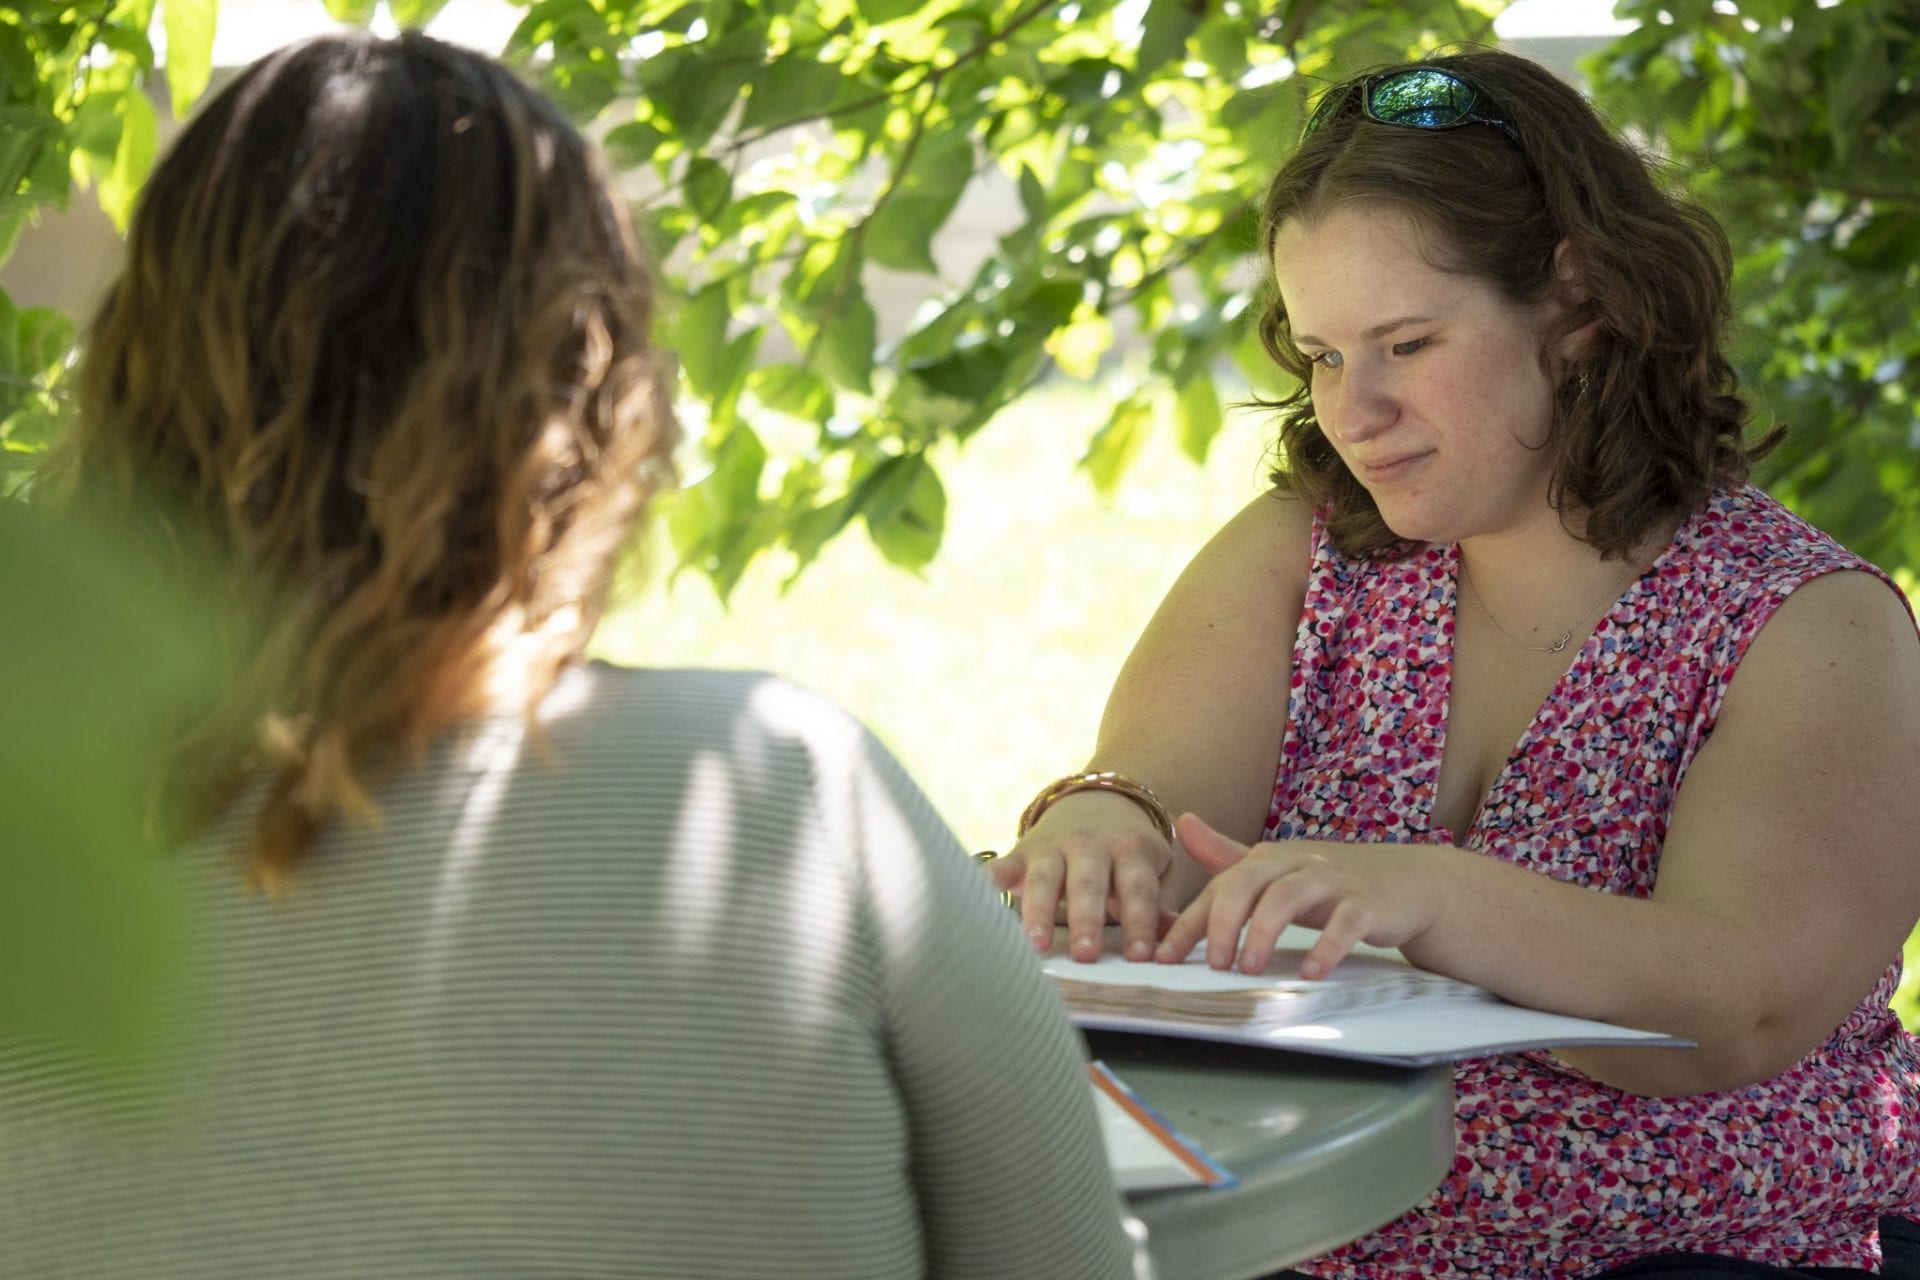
[(1414, 98)]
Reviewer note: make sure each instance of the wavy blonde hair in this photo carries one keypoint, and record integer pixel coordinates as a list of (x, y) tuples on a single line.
[(383, 332)]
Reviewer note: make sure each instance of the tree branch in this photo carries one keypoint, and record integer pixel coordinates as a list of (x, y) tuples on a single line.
[(1188, 251)]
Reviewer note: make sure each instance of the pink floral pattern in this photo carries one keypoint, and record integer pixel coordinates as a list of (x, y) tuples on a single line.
[(1557, 1175)]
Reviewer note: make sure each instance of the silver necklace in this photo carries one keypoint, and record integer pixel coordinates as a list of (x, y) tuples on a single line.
[(1566, 637)]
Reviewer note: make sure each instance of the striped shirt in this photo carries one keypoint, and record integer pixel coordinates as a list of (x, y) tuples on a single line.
[(694, 983)]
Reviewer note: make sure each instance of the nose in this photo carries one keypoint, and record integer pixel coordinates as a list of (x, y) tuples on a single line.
[(1363, 406)]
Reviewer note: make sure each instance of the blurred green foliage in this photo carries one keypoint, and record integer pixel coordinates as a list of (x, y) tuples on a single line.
[(795, 161), (1800, 126), (97, 664)]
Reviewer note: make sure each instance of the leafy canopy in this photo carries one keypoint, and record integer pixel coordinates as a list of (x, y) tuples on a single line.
[(1800, 126), (793, 163)]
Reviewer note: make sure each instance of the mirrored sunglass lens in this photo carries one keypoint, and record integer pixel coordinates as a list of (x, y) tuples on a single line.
[(1424, 99)]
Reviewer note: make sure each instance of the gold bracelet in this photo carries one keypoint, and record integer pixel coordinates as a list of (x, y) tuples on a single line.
[(1104, 781)]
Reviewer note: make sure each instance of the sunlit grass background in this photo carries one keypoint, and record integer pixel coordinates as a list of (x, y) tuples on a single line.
[(986, 675)]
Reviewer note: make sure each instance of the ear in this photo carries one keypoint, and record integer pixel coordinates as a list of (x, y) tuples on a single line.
[(1570, 294)]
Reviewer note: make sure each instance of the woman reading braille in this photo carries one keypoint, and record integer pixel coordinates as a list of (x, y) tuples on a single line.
[(1515, 671)]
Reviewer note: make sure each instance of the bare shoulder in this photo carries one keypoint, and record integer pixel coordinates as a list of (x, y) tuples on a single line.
[(1842, 643), (1276, 514), (1269, 539), (1242, 589)]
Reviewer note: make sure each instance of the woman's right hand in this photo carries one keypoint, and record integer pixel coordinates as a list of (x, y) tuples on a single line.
[(1095, 857)]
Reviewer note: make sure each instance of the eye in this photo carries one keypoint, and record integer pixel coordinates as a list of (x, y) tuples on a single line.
[(1326, 360), (1408, 348)]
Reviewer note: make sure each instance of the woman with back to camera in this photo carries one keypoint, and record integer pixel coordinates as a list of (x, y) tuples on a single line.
[(1516, 673), (564, 970)]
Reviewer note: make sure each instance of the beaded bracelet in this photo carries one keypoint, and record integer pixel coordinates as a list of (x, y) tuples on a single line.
[(1104, 781)]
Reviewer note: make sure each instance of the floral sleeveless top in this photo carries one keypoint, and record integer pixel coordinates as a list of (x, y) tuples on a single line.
[(1555, 1174)]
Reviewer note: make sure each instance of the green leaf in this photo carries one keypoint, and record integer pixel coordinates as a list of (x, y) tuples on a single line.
[(700, 338), (414, 14), (94, 134), (563, 23), (769, 214), (796, 87), (1117, 444), (1164, 37), (37, 425), (844, 352), (1033, 196), (695, 86), (812, 529), (880, 11), (45, 337), (632, 145), (1197, 411), (1222, 44), (358, 12), (816, 279), (792, 390), (189, 28), (730, 374), (1078, 346), (19, 77), (708, 186), (23, 132), (969, 373), (1045, 304), (87, 902), (905, 507), (927, 414), (132, 160), (901, 234), (944, 164), (584, 87), (719, 523)]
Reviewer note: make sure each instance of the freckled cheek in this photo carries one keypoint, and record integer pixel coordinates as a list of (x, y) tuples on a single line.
[(1326, 411)]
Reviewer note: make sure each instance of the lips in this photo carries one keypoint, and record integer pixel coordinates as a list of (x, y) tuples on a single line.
[(1388, 467)]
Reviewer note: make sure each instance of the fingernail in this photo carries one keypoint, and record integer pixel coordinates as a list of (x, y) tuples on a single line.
[(1216, 957), (1082, 942), (1139, 949), (1163, 952), (1042, 938), (1310, 969)]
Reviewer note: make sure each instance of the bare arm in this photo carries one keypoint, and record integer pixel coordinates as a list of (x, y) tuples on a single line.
[(1197, 715), (1789, 876)]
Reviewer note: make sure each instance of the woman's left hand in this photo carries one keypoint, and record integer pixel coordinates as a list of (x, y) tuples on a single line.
[(1384, 894)]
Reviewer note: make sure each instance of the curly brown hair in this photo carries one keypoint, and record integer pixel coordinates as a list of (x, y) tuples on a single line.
[(382, 332), (1648, 418)]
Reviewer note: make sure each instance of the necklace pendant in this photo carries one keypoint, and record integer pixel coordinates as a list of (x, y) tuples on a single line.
[(1561, 643)]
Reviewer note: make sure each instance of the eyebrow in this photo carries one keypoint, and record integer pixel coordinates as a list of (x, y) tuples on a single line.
[(1378, 331)]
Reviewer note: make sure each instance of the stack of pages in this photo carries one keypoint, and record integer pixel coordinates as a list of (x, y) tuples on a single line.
[(1373, 1006)]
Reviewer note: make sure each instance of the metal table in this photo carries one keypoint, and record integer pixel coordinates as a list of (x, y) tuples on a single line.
[(1326, 1150)]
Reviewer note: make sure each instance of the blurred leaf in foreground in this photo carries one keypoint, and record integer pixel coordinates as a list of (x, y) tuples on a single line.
[(96, 661)]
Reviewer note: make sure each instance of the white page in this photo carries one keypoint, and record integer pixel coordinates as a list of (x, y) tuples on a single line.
[(1412, 1033)]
